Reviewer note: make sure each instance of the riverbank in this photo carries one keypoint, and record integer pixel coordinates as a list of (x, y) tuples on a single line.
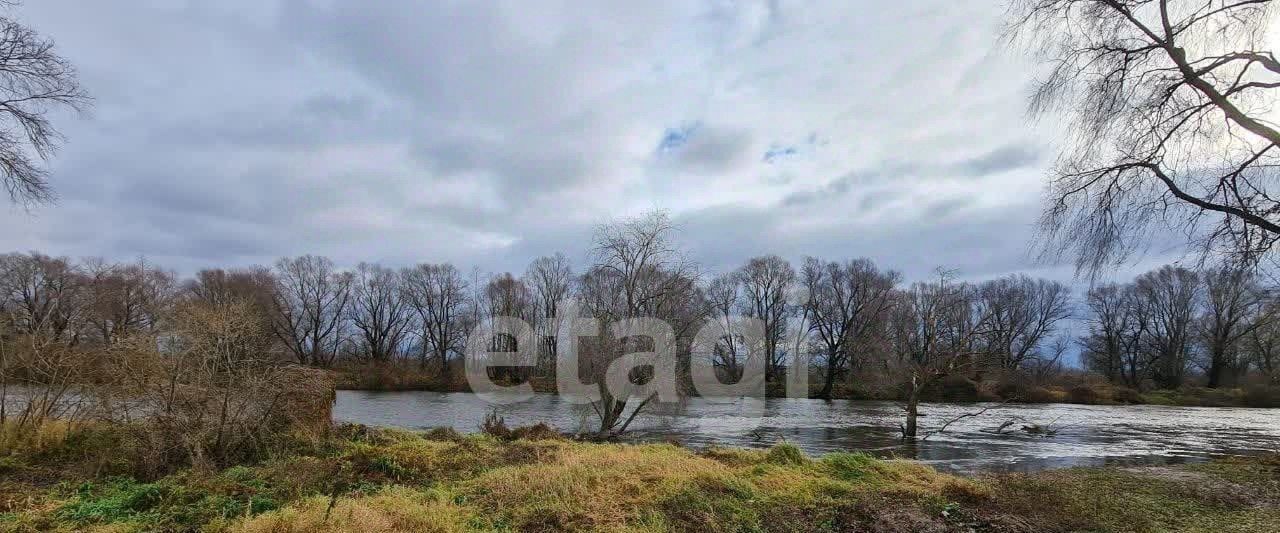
[(363, 479), (958, 389)]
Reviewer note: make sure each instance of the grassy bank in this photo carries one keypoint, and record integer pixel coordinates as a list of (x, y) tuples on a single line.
[(382, 480)]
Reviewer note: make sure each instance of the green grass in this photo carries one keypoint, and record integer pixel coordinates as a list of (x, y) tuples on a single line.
[(383, 480)]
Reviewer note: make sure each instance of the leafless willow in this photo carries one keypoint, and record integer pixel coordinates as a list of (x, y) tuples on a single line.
[(1022, 313), (1167, 105), (846, 302), (379, 312), (311, 303), (551, 279), (766, 284), (34, 82), (638, 272), (441, 298), (935, 333)]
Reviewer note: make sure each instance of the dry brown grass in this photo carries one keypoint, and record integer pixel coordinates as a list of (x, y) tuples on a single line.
[(383, 480), (586, 487), (396, 509)]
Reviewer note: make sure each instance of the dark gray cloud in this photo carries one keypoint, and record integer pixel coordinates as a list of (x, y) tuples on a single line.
[(1002, 159), (705, 149)]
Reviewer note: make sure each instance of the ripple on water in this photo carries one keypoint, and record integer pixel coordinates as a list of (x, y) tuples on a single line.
[(1084, 435)]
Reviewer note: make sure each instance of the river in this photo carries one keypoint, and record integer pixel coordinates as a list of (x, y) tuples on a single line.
[(1082, 435)]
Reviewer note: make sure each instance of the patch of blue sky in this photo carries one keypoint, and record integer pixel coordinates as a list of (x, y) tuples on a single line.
[(778, 152), (675, 138)]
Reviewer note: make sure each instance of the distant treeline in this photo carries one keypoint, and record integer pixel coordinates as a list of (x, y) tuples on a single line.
[(863, 331)]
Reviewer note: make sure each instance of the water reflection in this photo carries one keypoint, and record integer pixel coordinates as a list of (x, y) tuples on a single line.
[(1084, 435)]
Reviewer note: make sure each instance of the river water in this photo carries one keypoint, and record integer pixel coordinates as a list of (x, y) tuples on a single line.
[(1080, 435)]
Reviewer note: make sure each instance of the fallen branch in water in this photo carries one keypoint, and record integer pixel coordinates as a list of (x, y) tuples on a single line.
[(959, 418), (1029, 427)]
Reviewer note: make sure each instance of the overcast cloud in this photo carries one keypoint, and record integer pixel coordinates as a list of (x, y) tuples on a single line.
[(486, 133)]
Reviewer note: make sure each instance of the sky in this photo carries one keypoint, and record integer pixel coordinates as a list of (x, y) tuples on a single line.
[(232, 133)]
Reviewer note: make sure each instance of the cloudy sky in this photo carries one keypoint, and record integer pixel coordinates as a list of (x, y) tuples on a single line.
[(487, 133)]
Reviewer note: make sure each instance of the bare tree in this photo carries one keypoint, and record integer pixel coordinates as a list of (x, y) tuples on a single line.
[(216, 286), (1167, 102), (379, 311), (1021, 314), (441, 298), (935, 332), (506, 296), (42, 300), (766, 282), (1110, 320), (638, 273), (205, 393), (128, 299), (311, 302), (1137, 355), (34, 80), (41, 294), (1170, 296), (1048, 366), (253, 288), (550, 278), (723, 296), (846, 302), (1234, 306), (1262, 344)]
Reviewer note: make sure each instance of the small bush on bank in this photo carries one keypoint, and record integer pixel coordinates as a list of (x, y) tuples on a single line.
[(1196, 396), (1261, 396), (1017, 391), (494, 425), (1125, 395), (785, 454), (958, 389), (443, 434), (1084, 394)]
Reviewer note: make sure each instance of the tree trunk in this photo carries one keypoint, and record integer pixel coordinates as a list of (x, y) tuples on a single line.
[(1217, 366), (913, 412), (828, 382)]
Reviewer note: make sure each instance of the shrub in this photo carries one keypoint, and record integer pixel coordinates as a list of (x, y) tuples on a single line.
[(1126, 395), (1262, 396), (785, 454), (539, 431), (392, 376), (211, 397), (1084, 394), (495, 426), (442, 434), (958, 389), (1017, 391)]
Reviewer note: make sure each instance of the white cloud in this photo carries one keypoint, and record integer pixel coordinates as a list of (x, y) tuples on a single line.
[(484, 133)]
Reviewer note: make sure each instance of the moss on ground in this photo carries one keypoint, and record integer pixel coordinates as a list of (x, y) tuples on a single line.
[(382, 480)]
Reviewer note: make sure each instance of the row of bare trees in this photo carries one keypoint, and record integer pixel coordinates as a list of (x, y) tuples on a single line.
[(840, 315), (845, 322), (1170, 321)]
